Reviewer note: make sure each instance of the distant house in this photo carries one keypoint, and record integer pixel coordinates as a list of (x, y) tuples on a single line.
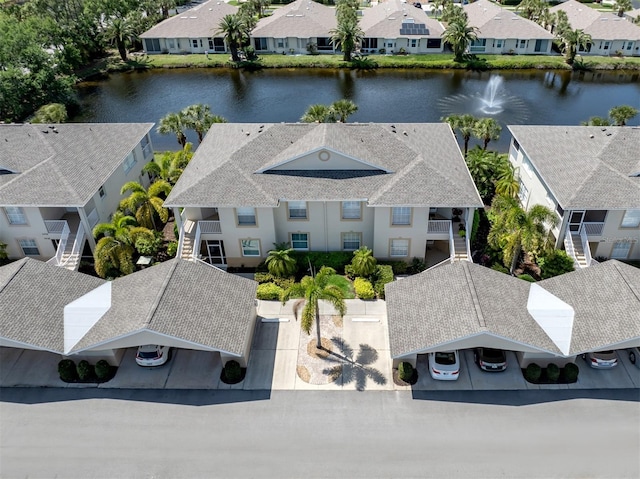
[(609, 32), (192, 31), (632, 15), (503, 31), (58, 182), (393, 25), (588, 175), (293, 27)]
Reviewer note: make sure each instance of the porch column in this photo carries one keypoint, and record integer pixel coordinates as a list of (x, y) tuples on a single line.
[(88, 231), (178, 218)]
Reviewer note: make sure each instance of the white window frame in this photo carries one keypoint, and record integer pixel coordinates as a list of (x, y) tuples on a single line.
[(351, 210), (523, 193), (293, 241), (351, 237), (243, 215), (31, 245), (297, 206), (145, 144), (15, 216), (527, 166), (398, 214), (396, 249), (632, 218), (625, 246), (247, 245), (129, 162)]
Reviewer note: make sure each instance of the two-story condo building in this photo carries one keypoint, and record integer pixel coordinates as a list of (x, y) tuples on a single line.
[(590, 176), (58, 182), (403, 190)]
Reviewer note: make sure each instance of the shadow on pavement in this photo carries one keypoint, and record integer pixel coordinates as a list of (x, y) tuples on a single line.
[(356, 370)]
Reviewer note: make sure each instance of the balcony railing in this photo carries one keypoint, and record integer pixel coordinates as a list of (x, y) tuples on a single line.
[(209, 227), (55, 227), (593, 229), (585, 245), (439, 226), (62, 245)]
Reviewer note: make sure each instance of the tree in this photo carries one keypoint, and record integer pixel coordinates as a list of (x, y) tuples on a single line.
[(199, 118), (342, 109), (146, 204), (173, 123), (120, 31), (621, 114), (572, 40), (346, 36), (234, 29), (280, 262), (486, 129), (506, 183), (318, 114), (170, 165), (622, 6), (459, 35), (438, 5), (596, 121), (465, 125), (363, 262), (532, 9), (50, 113), (554, 263), (452, 12), (487, 168), (313, 289)]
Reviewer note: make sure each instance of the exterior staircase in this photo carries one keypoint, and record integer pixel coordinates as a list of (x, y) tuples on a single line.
[(70, 259), (460, 249), (189, 235), (573, 247)]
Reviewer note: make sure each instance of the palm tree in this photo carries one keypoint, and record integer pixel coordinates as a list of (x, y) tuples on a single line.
[(464, 124), (146, 203), (480, 165), (459, 35), (486, 129), (438, 5), (281, 263), (621, 114), (119, 31), (170, 165), (622, 6), (343, 109), (346, 36), (596, 121), (313, 289), (572, 40), (506, 183), (173, 123), (363, 262), (199, 118), (318, 114), (514, 229), (234, 30)]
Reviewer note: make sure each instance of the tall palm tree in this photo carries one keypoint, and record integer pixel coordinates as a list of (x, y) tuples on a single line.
[(119, 31), (318, 114), (346, 36), (486, 129), (170, 165), (234, 29), (480, 165), (363, 262), (199, 118), (621, 114), (572, 40), (343, 109), (313, 289), (464, 124), (622, 6), (173, 123), (507, 184), (514, 229), (459, 35), (146, 204), (281, 263), (438, 5)]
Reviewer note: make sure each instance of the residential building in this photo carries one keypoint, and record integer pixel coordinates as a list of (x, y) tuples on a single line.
[(632, 15), (610, 33), (393, 25), (502, 31), (58, 182), (192, 31), (588, 175), (403, 190)]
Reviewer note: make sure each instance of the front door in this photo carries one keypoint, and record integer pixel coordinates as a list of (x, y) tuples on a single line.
[(215, 252), (575, 221)]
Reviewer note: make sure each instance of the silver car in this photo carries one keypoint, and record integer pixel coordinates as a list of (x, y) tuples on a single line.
[(601, 359), (444, 365)]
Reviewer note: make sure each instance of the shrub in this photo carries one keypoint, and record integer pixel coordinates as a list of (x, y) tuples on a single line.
[(172, 248), (500, 268), (103, 370), (571, 371), (555, 263), (533, 373), (149, 246), (417, 266), (284, 283), (399, 267), (383, 275), (553, 372), (405, 371), (85, 370), (363, 63), (233, 371), (348, 271), (527, 277), (269, 291), (364, 289), (363, 263), (333, 259), (67, 370)]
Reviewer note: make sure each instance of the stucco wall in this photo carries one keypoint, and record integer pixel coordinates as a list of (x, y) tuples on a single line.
[(416, 232)]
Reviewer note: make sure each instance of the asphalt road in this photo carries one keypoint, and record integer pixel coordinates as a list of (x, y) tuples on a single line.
[(92, 433)]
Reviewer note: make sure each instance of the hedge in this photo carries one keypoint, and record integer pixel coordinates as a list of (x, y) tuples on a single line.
[(533, 373), (85, 370), (405, 371), (383, 275), (269, 291), (67, 370), (571, 371), (364, 288), (233, 371), (103, 369), (284, 283), (553, 372)]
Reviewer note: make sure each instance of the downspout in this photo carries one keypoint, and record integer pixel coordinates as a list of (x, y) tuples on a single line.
[(326, 232)]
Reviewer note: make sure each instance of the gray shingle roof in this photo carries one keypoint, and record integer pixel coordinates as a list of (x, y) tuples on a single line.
[(65, 168), (182, 299), (458, 300), (585, 167), (198, 22), (32, 300), (425, 164), (493, 21), (385, 20), (300, 19), (600, 25)]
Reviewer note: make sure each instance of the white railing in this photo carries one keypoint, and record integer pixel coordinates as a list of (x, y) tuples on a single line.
[(62, 245), (209, 227), (452, 245), (585, 245), (468, 243), (570, 249), (593, 229), (93, 218), (56, 227), (77, 246), (181, 236), (439, 226), (196, 241)]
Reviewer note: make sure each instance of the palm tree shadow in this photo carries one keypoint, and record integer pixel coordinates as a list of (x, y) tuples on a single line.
[(357, 370)]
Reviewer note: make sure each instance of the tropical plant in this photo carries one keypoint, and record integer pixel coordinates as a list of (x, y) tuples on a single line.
[(342, 109), (281, 263), (363, 262), (571, 41), (173, 123), (439, 5), (554, 263), (506, 184), (234, 29), (50, 113), (170, 165), (313, 289), (119, 31), (199, 118), (465, 125), (532, 9), (486, 129), (364, 288), (146, 204), (596, 121), (459, 35), (622, 6), (453, 13), (318, 114), (346, 36), (621, 114)]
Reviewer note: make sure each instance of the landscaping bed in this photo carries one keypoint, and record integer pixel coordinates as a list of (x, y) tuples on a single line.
[(552, 374)]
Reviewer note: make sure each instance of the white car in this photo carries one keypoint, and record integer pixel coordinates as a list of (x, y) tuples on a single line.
[(601, 359), (152, 355), (444, 365)]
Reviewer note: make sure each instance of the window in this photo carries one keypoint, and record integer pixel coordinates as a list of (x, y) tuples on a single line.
[(246, 216), (15, 215), (399, 247), (297, 210), (401, 215), (414, 43), (631, 219), (129, 161), (370, 43), (629, 45), (526, 164), (101, 192), (351, 241), (250, 247), (219, 44), (29, 247), (523, 193), (146, 146), (281, 42), (171, 44), (522, 44), (478, 45), (351, 210), (498, 43), (260, 43), (152, 44), (620, 250), (300, 241), (607, 45), (194, 42), (434, 42)]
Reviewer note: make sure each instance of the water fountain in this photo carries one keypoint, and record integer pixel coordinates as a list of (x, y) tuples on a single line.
[(490, 103)]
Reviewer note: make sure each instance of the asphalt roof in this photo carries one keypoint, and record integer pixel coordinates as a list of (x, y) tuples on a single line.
[(600, 25), (385, 20), (413, 164), (299, 19), (585, 167), (62, 165), (493, 21), (462, 299)]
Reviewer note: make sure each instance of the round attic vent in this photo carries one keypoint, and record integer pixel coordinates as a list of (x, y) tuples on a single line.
[(324, 155)]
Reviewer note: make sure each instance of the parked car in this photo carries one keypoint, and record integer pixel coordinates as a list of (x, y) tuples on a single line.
[(634, 356), (490, 359), (601, 359), (444, 365), (152, 355)]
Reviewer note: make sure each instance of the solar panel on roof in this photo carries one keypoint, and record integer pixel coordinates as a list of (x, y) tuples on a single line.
[(413, 29)]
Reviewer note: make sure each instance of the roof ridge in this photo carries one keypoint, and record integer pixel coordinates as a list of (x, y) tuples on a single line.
[(474, 294), (161, 291), (24, 261), (623, 273)]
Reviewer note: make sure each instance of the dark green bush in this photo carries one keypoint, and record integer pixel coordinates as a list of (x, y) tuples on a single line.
[(527, 277), (382, 276), (500, 268), (555, 263), (399, 267), (405, 371), (149, 246), (103, 369), (67, 370), (334, 259), (363, 63), (571, 371), (269, 291), (364, 288), (417, 266), (172, 249), (85, 370), (233, 371), (553, 372), (284, 283), (533, 373)]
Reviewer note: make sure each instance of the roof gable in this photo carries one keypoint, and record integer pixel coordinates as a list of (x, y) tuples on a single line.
[(322, 158), (553, 315)]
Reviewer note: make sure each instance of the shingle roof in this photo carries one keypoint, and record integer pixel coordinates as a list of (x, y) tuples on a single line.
[(600, 25), (65, 165), (585, 167), (633, 13), (182, 299), (493, 21), (198, 22), (385, 21), (300, 19), (32, 300), (425, 164), (462, 299)]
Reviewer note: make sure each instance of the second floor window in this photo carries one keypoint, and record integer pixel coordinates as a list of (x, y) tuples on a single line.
[(350, 210), (297, 210), (401, 215), (15, 215), (246, 216), (129, 161), (631, 219)]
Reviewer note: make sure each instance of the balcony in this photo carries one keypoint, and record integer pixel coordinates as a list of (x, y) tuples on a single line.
[(593, 229)]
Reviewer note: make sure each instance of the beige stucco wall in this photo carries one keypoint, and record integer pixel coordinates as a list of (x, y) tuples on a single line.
[(34, 229), (612, 232), (416, 232)]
